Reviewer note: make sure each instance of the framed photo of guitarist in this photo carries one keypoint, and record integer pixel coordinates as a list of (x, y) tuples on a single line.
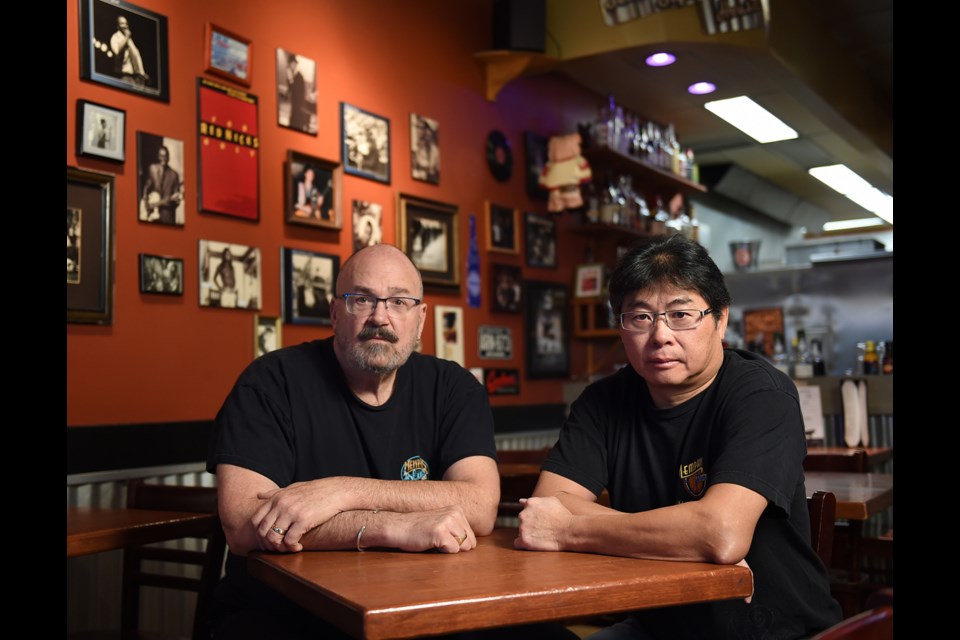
[(159, 179), (313, 191)]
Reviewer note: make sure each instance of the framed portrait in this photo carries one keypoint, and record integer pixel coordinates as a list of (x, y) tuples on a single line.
[(429, 233), (589, 280), (424, 148), (160, 179), (229, 275), (124, 46), (541, 232), (367, 224), (101, 131), (296, 92), (503, 228), (506, 295), (535, 150), (313, 188), (308, 284), (228, 150), (365, 143), (449, 333), (547, 330), (161, 274), (90, 233), (228, 55), (267, 332), (762, 324)]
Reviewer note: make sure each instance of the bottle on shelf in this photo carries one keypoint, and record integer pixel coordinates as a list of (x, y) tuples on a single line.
[(609, 202), (780, 353), (871, 360), (593, 202), (803, 368), (816, 354), (858, 367), (886, 365)]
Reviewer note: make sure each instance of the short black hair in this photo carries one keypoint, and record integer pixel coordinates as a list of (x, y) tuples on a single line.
[(677, 261)]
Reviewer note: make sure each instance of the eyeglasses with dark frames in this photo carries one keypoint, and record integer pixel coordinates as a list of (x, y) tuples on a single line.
[(362, 304), (675, 319)]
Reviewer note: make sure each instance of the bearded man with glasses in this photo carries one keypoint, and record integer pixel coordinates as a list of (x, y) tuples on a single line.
[(701, 450)]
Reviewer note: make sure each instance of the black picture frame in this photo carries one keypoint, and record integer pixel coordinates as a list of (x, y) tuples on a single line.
[(365, 143), (547, 329), (316, 205), (503, 228), (541, 241), (429, 234), (535, 152), (101, 131), (506, 283), (143, 68), (161, 275), (308, 285), (160, 189), (90, 246)]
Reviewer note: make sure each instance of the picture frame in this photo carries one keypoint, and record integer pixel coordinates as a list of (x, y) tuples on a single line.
[(507, 292), (365, 143), (541, 239), (502, 382), (161, 275), (503, 228), (267, 334), (547, 329), (228, 55), (101, 131), (229, 275), (766, 321), (308, 285), (228, 151), (124, 46), (90, 246), (429, 234), (535, 151), (589, 281), (367, 224), (313, 191), (424, 149), (296, 92), (160, 180), (448, 323)]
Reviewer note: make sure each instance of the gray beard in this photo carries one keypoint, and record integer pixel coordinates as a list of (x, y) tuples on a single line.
[(368, 356)]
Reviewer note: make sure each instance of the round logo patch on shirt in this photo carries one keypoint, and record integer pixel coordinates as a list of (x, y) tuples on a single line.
[(415, 468), (694, 477)]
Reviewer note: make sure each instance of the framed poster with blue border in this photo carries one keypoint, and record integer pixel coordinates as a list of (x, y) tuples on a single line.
[(365, 143)]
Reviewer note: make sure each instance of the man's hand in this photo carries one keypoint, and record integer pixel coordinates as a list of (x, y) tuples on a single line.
[(445, 529), (543, 524), (297, 509)]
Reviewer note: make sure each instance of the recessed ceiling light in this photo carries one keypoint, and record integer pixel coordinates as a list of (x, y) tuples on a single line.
[(701, 88), (752, 119), (840, 178), (861, 223), (661, 59)]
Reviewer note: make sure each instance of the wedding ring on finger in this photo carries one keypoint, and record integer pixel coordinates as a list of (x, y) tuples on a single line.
[(460, 539), (278, 531)]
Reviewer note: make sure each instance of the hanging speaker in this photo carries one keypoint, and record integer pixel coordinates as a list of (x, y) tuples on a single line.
[(520, 25)]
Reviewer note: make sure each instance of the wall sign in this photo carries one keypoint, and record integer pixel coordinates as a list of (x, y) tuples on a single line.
[(496, 343), (502, 382)]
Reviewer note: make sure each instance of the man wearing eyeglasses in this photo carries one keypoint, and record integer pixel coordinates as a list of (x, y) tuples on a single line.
[(700, 449), (350, 442)]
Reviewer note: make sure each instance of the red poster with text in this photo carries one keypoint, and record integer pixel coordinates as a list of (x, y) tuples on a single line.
[(229, 153)]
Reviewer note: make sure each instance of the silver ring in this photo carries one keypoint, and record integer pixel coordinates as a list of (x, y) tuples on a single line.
[(278, 531)]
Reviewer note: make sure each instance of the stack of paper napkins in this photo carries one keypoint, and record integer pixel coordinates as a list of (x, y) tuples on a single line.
[(856, 425)]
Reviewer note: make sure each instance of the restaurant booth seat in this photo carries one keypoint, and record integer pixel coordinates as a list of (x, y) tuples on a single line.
[(873, 624)]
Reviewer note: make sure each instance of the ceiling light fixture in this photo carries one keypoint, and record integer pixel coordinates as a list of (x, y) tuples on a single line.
[(701, 88), (859, 223), (752, 119), (661, 59), (840, 178)]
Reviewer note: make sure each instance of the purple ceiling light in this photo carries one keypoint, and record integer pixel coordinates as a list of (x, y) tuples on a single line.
[(701, 88), (661, 59)]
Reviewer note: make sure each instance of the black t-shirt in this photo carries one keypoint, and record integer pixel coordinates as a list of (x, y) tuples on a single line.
[(745, 428)]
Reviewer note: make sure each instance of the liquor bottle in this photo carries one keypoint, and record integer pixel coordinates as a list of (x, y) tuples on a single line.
[(804, 364), (887, 365), (871, 360), (858, 365), (816, 352), (780, 353)]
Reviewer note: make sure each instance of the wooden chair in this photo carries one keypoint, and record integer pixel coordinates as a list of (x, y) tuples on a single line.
[(874, 624), (823, 515), (141, 495), (519, 472)]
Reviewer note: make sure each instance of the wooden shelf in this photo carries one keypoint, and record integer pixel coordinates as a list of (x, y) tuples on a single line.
[(502, 66), (650, 179)]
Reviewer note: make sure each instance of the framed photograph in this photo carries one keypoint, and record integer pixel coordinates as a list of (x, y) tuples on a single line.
[(425, 148), (313, 188), (124, 46), (365, 143), (589, 280), (503, 228), (228, 55), (229, 275), (367, 224), (228, 150), (547, 330), (495, 343), (296, 92), (449, 333), (161, 274), (160, 179), (506, 281), (429, 233), (759, 325), (535, 150), (90, 233), (309, 279), (541, 232), (101, 131), (267, 332)]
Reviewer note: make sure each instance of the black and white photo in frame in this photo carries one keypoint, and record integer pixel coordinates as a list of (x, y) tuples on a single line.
[(161, 274), (74, 217), (367, 224), (309, 282), (160, 179), (425, 148), (101, 131), (296, 92), (365, 144), (229, 275)]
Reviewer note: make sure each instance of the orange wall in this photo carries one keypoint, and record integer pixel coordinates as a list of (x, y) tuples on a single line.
[(166, 358)]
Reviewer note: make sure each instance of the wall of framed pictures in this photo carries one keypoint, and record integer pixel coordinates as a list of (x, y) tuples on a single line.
[(423, 134)]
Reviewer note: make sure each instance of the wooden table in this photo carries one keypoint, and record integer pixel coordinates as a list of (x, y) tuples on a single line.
[(390, 594), (92, 530), (862, 459), (859, 495)]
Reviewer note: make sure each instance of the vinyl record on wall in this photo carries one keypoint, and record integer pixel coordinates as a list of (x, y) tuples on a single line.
[(499, 156)]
